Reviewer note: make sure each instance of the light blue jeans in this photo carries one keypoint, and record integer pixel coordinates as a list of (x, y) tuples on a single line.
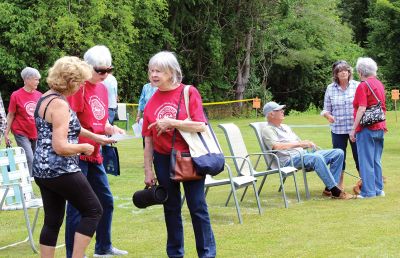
[(29, 147), (370, 148), (319, 162)]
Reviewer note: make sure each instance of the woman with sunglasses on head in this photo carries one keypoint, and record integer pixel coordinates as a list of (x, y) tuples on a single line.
[(338, 110), (90, 103)]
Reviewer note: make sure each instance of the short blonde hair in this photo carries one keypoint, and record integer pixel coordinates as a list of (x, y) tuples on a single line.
[(68, 73)]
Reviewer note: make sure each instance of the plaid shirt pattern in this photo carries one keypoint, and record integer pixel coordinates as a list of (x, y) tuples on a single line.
[(3, 120), (339, 103)]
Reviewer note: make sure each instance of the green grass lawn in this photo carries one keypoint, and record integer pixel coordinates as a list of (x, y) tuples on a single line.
[(319, 227)]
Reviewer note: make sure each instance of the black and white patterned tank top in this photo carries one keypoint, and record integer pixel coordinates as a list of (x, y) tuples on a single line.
[(46, 162)]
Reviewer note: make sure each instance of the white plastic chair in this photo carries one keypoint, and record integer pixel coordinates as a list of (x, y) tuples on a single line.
[(243, 164), (16, 191)]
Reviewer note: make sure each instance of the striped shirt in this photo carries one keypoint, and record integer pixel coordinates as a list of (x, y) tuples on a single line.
[(3, 120), (339, 103)]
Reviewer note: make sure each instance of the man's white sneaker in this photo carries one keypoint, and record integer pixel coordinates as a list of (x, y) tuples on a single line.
[(110, 253), (382, 194)]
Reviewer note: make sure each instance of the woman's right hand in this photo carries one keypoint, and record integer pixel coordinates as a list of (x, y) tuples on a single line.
[(330, 118), (87, 149), (149, 178)]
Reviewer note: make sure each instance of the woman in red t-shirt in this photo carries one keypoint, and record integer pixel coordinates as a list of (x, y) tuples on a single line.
[(158, 126), (370, 138), (20, 118)]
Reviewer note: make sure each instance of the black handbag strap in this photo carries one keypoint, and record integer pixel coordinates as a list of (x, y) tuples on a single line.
[(372, 92), (177, 114)]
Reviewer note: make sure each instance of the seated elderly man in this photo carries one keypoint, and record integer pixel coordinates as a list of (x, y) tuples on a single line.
[(278, 136)]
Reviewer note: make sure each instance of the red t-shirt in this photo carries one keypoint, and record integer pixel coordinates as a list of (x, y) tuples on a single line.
[(90, 103), (364, 97), (23, 105), (165, 104)]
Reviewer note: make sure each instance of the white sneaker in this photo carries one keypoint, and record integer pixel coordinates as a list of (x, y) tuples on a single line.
[(382, 194), (360, 196), (110, 253)]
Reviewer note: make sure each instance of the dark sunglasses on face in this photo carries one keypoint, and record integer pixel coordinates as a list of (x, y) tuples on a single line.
[(102, 71)]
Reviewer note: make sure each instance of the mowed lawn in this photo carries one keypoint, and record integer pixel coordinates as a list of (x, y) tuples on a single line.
[(319, 227)]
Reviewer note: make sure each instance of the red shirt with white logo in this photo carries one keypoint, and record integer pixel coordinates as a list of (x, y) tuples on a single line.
[(165, 104), (23, 105), (90, 103)]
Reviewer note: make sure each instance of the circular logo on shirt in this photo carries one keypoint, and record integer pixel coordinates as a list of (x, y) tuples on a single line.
[(166, 111), (30, 107), (97, 108)]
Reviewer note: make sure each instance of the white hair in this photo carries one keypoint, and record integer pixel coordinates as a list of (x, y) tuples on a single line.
[(29, 72), (366, 66), (166, 61), (98, 56)]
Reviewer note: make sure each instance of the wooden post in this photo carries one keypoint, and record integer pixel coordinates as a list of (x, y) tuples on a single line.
[(256, 104)]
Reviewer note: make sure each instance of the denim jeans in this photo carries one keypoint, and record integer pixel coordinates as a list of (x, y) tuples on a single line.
[(370, 148), (111, 115), (98, 180), (339, 141), (196, 201), (319, 162), (29, 147)]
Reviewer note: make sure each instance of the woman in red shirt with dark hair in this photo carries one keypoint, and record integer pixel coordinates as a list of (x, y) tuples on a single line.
[(20, 118), (370, 138)]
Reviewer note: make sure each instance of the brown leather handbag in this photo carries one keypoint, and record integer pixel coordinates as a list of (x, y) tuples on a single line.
[(181, 165)]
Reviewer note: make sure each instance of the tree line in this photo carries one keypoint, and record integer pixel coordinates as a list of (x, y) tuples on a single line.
[(229, 49)]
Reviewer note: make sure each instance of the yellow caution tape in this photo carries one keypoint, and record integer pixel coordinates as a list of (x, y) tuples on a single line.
[(206, 104)]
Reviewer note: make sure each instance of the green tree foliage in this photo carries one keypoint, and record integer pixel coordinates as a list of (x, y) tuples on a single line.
[(384, 39)]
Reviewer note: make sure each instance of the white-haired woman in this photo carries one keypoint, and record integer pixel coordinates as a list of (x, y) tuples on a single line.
[(370, 138), (338, 110), (20, 118), (90, 103), (159, 123)]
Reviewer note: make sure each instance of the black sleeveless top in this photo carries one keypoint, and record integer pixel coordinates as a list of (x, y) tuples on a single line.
[(46, 162)]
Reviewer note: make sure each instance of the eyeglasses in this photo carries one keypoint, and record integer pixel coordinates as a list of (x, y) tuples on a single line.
[(103, 71)]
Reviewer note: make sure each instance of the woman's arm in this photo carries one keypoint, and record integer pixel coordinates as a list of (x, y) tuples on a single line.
[(149, 178), (359, 114), (59, 116), (167, 124), (10, 119), (101, 139)]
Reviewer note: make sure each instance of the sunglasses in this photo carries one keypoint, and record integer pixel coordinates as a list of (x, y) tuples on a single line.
[(338, 63), (102, 71)]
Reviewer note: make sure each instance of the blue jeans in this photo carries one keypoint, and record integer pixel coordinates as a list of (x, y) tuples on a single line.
[(29, 147), (98, 180), (319, 162), (370, 148), (196, 201), (111, 115), (339, 141)]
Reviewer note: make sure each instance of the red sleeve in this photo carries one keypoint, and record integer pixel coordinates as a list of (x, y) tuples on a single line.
[(360, 97), (76, 101), (12, 106), (145, 131), (196, 106)]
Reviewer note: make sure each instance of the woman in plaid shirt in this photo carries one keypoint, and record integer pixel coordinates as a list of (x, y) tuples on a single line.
[(338, 109)]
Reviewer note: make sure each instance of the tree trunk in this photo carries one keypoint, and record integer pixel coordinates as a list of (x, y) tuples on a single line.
[(243, 68)]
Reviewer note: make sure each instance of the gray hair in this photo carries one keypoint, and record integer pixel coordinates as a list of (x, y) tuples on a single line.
[(98, 56), (366, 66), (29, 72), (166, 61)]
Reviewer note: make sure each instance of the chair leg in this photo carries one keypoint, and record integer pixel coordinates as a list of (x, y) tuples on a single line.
[(257, 197), (306, 184), (283, 190), (229, 197), (236, 204), (280, 187), (28, 225), (262, 184), (244, 193), (295, 185)]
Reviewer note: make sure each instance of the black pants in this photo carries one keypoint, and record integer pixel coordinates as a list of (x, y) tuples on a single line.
[(74, 188)]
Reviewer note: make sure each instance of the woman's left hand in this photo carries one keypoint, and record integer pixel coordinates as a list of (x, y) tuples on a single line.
[(163, 125), (352, 135)]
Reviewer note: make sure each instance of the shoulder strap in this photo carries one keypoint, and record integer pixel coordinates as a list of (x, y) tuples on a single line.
[(40, 103), (48, 103), (186, 97), (177, 114), (372, 91)]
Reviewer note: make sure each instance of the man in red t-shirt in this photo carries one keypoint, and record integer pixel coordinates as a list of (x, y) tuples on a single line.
[(20, 119)]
